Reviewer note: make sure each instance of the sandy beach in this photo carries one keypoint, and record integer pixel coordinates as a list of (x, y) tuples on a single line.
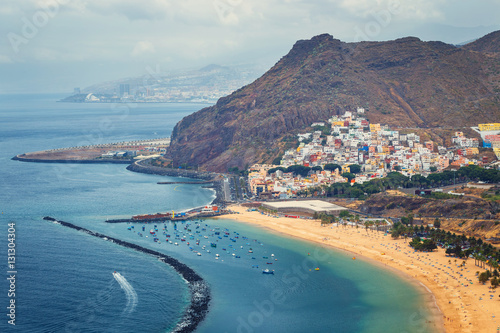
[(463, 304)]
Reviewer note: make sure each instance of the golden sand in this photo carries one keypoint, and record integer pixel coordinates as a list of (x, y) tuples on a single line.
[(463, 304)]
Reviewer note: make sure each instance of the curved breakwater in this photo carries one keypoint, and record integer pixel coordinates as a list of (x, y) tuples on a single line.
[(23, 158), (199, 290)]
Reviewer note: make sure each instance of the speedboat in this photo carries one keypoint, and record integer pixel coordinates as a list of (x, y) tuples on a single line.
[(267, 271)]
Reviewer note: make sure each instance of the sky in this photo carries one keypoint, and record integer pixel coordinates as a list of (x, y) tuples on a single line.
[(52, 46)]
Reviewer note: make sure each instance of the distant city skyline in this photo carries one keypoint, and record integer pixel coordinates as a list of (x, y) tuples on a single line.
[(57, 45)]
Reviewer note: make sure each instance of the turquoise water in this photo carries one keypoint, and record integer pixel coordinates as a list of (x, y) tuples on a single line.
[(65, 282)]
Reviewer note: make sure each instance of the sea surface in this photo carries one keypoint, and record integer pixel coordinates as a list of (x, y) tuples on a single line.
[(64, 279)]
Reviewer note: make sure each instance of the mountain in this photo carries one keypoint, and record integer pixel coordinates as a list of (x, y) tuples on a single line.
[(489, 43), (403, 83), (197, 85)]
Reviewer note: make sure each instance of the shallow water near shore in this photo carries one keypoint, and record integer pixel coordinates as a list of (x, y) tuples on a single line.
[(65, 283)]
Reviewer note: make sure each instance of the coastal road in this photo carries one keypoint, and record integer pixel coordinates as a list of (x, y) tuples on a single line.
[(227, 190)]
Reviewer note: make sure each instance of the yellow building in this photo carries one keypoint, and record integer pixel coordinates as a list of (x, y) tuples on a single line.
[(374, 127), (489, 127)]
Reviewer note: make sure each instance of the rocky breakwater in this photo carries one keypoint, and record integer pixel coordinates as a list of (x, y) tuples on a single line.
[(199, 290)]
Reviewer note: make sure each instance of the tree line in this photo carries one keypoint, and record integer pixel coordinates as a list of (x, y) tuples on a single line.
[(394, 180)]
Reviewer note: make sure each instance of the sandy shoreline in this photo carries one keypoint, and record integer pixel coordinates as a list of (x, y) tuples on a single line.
[(457, 304)]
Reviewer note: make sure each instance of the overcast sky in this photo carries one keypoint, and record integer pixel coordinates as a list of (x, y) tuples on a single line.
[(56, 45)]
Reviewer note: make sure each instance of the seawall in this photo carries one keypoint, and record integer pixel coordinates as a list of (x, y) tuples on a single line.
[(199, 290), (211, 177), (101, 161), (145, 167)]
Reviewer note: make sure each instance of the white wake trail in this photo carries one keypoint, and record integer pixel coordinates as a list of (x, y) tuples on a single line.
[(129, 292)]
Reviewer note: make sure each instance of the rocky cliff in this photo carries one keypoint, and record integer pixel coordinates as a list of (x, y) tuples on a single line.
[(404, 83)]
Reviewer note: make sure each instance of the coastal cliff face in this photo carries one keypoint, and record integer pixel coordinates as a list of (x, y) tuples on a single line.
[(403, 83)]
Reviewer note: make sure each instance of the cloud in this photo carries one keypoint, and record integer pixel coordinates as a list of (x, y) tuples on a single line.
[(143, 48), (133, 10), (5, 59), (415, 9), (107, 38)]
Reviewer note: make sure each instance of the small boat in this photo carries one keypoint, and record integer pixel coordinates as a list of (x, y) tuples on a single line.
[(269, 263), (198, 254), (316, 269), (267, 271)]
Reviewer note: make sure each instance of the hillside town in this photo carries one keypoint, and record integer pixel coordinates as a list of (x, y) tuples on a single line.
[(349, 144)]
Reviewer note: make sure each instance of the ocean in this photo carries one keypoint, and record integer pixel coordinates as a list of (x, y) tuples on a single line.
[(64, 279)]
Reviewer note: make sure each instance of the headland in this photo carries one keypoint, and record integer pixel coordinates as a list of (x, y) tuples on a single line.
[(120, 152)]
